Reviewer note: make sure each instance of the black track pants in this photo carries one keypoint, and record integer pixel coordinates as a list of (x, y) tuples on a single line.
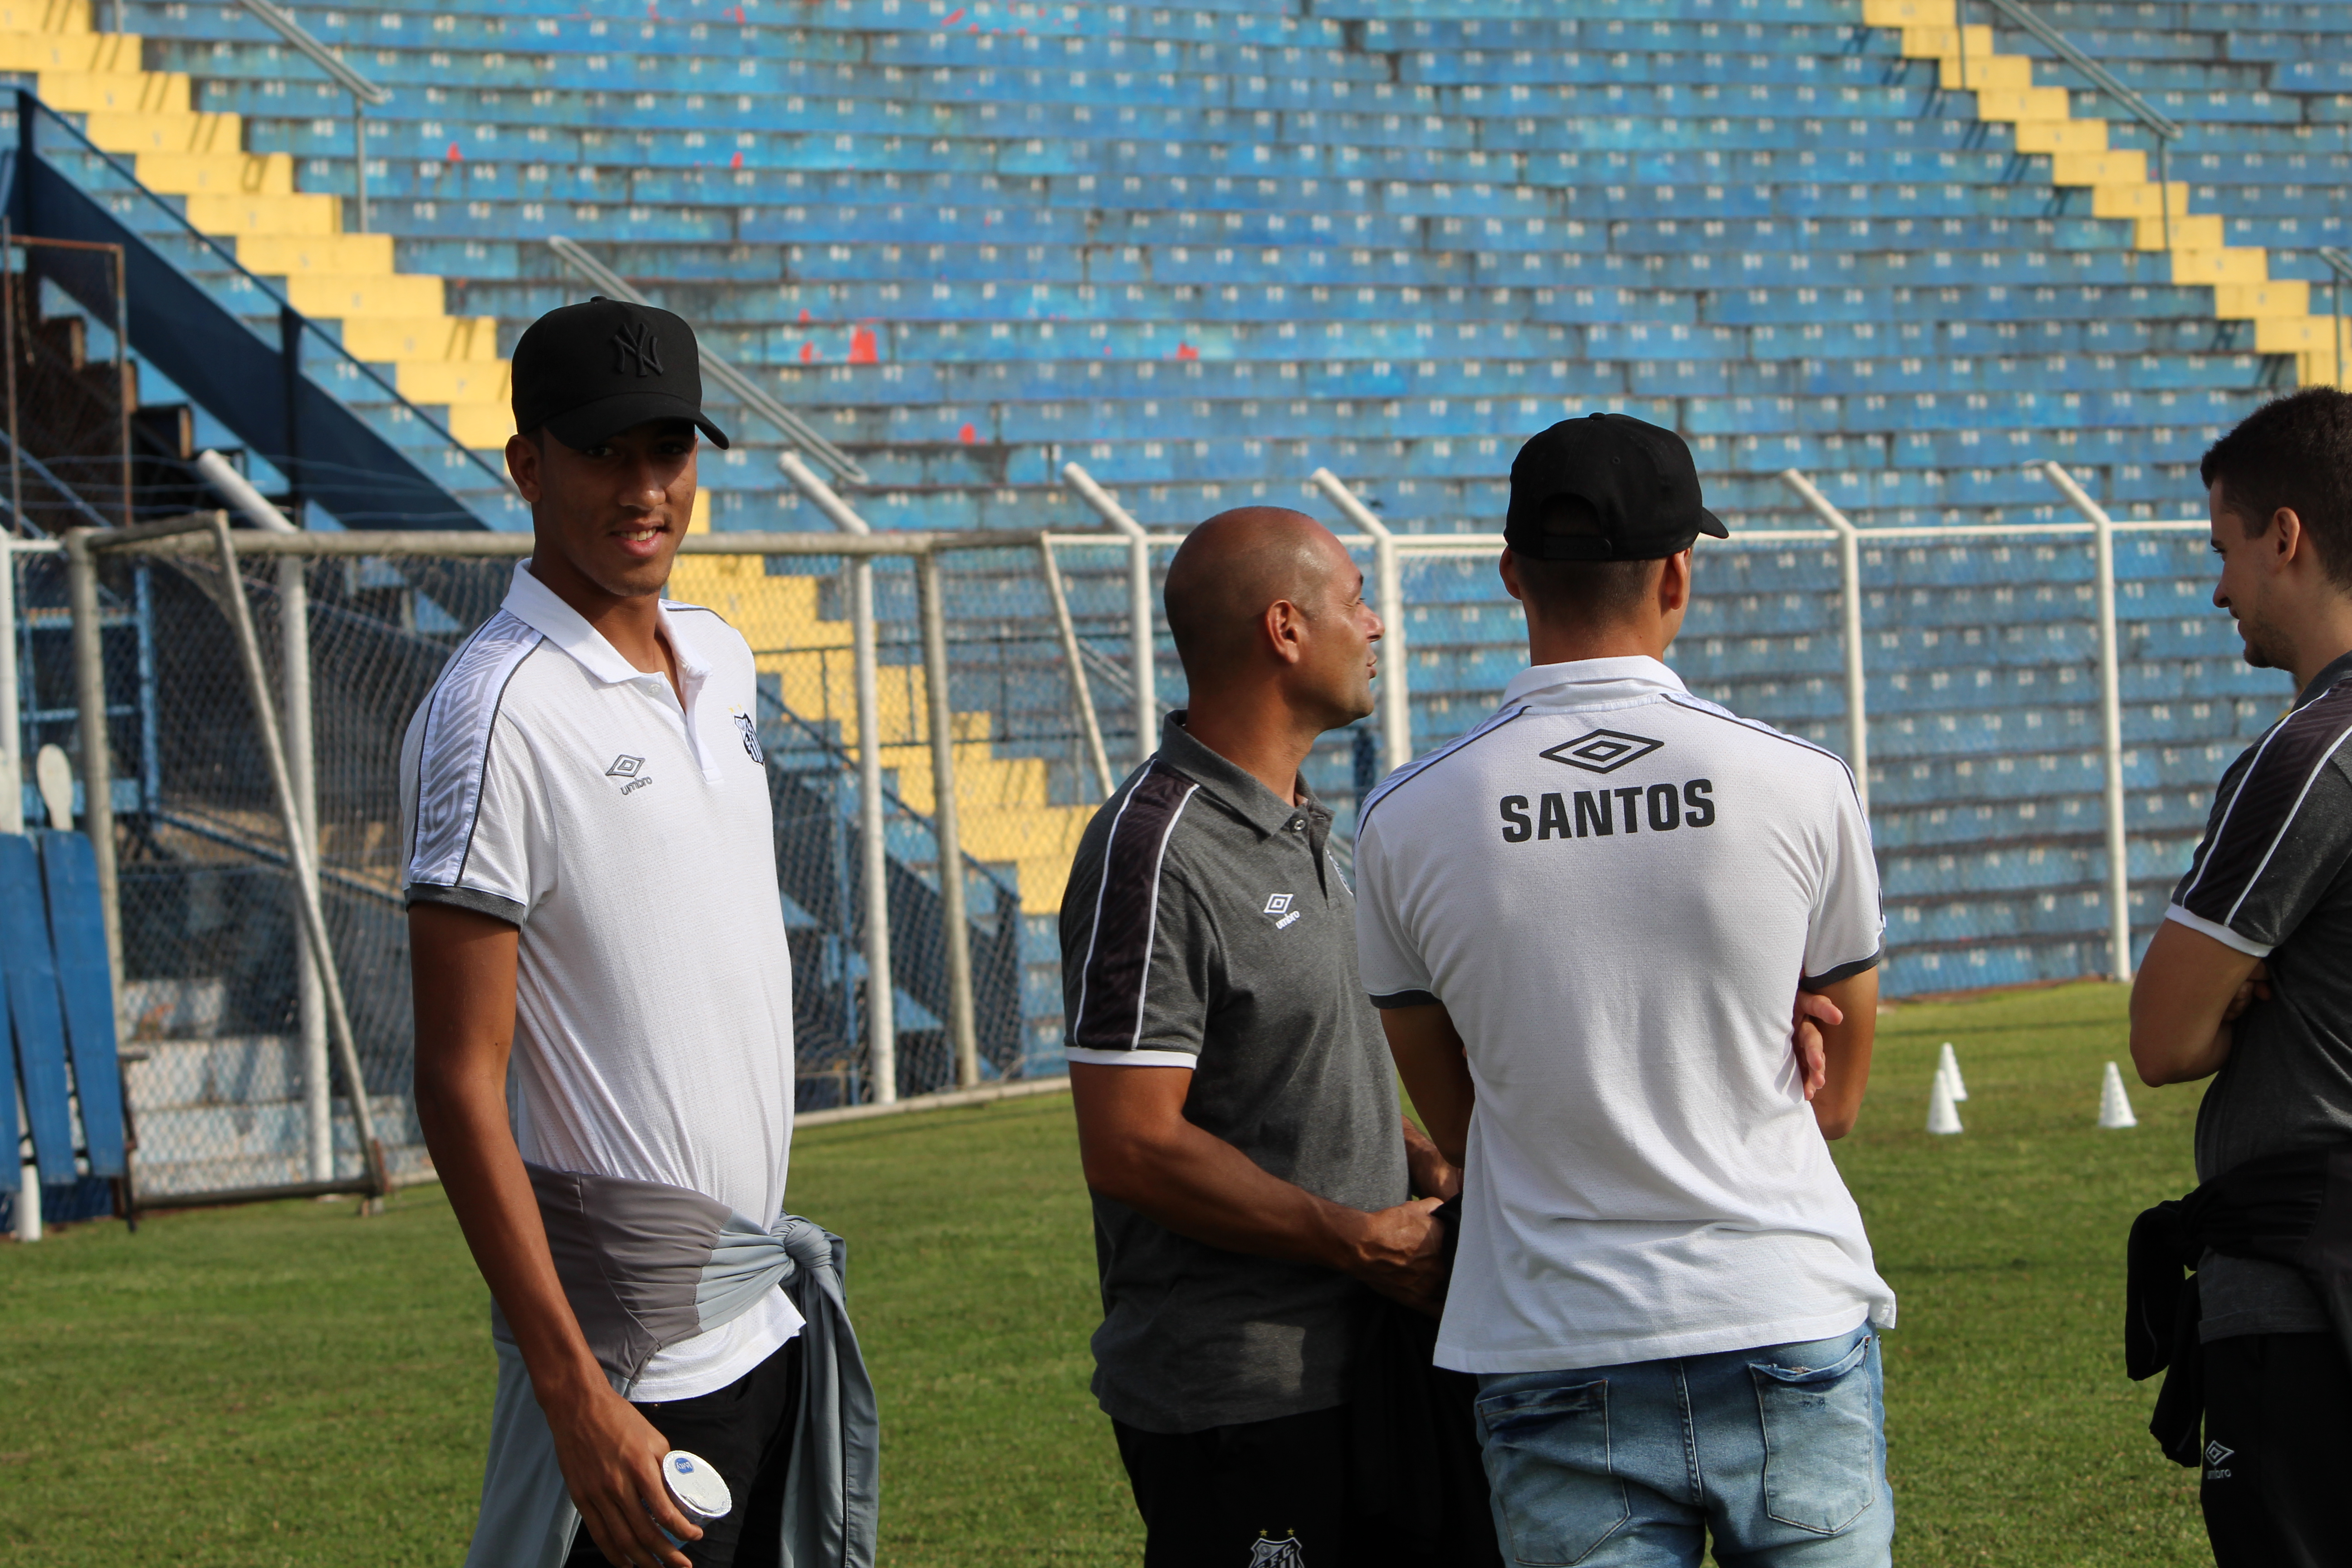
[(2278, 1451), (745, 1431)]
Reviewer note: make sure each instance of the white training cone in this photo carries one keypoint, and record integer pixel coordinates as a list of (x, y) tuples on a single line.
[(1942, 1115), (2114, 1106), (1950, 1065)]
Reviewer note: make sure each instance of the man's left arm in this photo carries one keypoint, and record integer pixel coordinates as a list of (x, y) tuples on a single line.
[(2276, 849), (1431, 1060), (2190, 991)]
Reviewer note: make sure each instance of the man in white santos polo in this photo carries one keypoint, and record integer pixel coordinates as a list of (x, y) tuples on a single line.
[(1585, 922), (592, 898)]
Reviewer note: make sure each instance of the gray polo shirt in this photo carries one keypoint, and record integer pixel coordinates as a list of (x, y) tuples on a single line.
[(1206, 927), (2273, 879)]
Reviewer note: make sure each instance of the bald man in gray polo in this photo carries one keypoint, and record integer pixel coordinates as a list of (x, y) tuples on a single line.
[(1250, 1166)]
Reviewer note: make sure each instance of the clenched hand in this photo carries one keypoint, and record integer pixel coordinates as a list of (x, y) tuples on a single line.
[(611, 1459)]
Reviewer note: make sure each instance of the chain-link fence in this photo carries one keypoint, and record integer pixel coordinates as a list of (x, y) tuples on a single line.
[(226, 1034), (2001, 772)]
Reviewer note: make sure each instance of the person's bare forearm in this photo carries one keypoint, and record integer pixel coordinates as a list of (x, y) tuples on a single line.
[(1141, 1148), (1199, 1186), (1430, 1057), (473, 1149), (2185, 1001), (1845, 1053)]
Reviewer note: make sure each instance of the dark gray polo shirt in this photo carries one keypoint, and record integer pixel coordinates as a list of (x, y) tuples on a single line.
[(1206, 927), (2273, 879)]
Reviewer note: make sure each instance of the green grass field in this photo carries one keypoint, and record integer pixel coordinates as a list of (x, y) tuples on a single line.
[(290, 1385)]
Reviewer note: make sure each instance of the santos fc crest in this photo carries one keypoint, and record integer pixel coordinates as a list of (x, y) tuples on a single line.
[(1266, 1553), (750, 732)]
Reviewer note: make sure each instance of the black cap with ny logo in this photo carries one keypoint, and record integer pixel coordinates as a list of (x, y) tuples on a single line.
[(590, 371)]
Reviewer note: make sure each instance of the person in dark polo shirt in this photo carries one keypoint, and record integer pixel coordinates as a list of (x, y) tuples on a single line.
[(2247, 980), (1253, 1173)]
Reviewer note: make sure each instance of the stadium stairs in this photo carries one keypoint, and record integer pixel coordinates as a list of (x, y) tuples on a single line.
[(1204, 249)]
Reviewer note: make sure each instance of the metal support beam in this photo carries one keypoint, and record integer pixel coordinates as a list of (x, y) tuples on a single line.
[(97, 764), (963, 1030), (302, 764), (2111, 720), (1082, 694), (300, 852), (1396, 694), (1857, 714), (1139, 605), (11, 728), (874, 854)]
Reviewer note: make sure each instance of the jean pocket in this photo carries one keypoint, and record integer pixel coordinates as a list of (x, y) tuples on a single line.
[(1820, 1440), (1547, 1452)]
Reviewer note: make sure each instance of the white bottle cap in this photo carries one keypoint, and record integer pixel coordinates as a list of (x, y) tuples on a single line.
[(696, 1489)]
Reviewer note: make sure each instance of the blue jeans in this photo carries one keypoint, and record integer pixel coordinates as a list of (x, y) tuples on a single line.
[(1779, 1453)]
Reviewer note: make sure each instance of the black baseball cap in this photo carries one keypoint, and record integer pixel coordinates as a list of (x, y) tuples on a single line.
[(592, 370), (1634, 480)]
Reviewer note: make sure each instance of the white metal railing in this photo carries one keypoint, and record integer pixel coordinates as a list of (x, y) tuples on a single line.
[(862, 545), (209, 534), (1390, 548)]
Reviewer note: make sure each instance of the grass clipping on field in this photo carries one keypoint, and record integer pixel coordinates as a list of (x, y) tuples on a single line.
[(289, 1384)]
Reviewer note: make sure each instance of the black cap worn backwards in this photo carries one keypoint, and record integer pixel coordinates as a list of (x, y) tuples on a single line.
[(1628, 489), (588, 372)]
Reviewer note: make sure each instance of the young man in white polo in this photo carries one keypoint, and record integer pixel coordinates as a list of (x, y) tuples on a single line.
[(592, 904), (1584, 923)]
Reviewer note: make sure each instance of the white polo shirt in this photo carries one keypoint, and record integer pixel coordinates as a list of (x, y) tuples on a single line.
[(548, 782), (1615, 887)]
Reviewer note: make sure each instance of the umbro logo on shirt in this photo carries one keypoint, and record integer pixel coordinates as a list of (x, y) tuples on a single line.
[(630, 769), (1603, 750), (1279, 905)]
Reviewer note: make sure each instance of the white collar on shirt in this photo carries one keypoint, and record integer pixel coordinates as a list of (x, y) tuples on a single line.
[(1591, 682), (534, 604)]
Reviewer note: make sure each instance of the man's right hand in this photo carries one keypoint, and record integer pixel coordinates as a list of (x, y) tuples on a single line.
[(2257, 987), (1815, 1013), (612, 1462), (1396, 1252)]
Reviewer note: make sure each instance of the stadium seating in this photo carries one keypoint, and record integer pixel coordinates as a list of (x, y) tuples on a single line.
[(1204, 249)]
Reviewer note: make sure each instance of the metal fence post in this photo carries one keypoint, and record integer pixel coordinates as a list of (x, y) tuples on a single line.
[(97, 766), (2111, 720), (1857, 714), (358, 154), (961, 1028), (874, 854), (12, 761), (1139, 605), (12, 820), (1387, 580), (302, 764), (1081, 690)]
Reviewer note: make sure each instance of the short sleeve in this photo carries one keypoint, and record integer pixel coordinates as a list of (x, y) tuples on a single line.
[(495, 858), (2279, 838), (1393, 972), (1847, 927), (1139, 974)]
